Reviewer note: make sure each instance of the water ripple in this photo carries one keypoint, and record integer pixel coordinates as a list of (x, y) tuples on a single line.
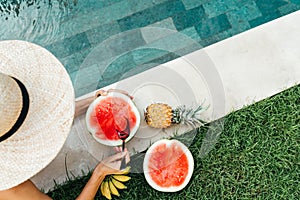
[(33, 20)]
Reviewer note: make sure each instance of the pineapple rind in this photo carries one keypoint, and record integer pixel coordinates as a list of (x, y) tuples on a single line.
[(159, 115)]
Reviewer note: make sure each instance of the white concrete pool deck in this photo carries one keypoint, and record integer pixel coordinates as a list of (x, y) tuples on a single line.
[(228, 75)]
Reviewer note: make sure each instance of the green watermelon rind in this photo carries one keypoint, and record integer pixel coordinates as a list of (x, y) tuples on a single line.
[(190, 167)]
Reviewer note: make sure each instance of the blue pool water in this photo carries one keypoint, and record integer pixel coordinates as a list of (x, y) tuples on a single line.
[(99, 41)]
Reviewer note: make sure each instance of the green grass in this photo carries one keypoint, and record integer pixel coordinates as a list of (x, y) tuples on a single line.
[(256, 157)]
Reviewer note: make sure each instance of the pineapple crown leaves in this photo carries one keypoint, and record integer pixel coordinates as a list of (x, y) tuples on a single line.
[(189, 116)]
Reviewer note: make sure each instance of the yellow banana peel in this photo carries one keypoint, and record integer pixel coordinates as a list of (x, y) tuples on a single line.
[(121, 178), (113, 189), (118, 184), (102, 188), (112, 183), (126, 170), (106, 190)]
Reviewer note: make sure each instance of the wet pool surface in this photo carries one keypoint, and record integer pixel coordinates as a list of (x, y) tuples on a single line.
[(103, 41)]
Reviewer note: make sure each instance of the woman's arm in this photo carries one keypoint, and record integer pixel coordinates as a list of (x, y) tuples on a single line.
[(110, 165), (24, 191), (90, 189), (82, 105), (28, 191)]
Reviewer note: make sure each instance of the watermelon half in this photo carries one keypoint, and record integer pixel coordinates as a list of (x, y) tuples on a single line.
[(168, 165), (106, 114)]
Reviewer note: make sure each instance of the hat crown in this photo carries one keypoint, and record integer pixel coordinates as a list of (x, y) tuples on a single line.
[(10, 103)]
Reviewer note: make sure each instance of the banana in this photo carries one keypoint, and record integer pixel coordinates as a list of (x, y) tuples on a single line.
[(126, 170), (112, 183), (113, 189), (106, 190), (118, 184), (102, 188), (121, 178)]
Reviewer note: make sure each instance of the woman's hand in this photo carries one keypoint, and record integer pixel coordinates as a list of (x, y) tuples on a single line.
[(112, 164)]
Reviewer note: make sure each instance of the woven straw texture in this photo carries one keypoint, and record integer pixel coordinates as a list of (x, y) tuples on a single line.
[(10, 103), (50, 116)]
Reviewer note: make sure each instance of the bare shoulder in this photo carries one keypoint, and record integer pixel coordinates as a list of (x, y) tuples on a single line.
[(24, 191)]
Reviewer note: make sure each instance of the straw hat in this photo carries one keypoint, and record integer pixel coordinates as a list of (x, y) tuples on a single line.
[(36, 109)]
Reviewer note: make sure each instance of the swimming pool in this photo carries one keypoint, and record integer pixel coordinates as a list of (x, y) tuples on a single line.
[(134, 35)]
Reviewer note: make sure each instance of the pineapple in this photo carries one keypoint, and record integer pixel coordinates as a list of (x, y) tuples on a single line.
[(160, 115)]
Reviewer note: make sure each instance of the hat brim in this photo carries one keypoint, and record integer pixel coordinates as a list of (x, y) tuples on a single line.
[(50, 115)]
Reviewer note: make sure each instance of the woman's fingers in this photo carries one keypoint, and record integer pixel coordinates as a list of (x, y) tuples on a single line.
[(119, 149), (112, 164), (100, 93), (117, 156), (127, 157)]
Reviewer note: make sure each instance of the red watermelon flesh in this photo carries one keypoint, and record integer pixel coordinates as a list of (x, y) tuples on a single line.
[(110, 114), (168, 165)]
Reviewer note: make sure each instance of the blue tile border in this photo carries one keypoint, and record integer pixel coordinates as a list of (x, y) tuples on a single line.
[(212, 26), (151, 15), (189, 18)]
